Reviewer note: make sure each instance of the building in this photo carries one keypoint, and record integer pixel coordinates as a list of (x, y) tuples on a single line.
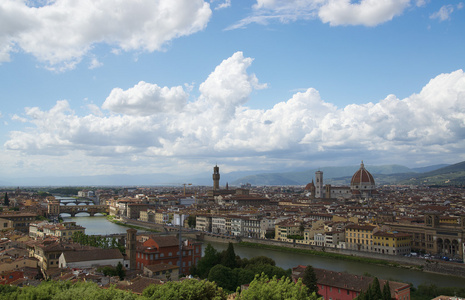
[(434, 237), (345, 286), (20, 220), (216, 178), (166, 250), (88, 259), (392, 243), (362, 184), (63, 230), (164, 272), (360, 237)]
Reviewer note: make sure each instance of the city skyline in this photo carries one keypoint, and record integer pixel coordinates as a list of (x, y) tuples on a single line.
[(98, 88)]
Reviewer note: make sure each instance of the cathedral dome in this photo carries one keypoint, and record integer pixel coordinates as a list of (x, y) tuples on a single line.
[(362, 179)]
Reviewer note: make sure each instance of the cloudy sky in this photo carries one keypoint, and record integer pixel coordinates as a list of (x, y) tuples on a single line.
[(96, 87)]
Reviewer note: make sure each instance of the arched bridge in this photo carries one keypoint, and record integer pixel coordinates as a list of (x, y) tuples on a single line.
[(90, 209)]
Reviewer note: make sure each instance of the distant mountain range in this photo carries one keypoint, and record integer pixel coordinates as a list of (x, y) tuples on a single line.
[(385, 174)]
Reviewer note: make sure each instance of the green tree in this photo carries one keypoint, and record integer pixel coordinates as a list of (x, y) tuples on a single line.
[(302, 228), (375, 290), (310, 280), (224, 277), (186, 289), (6, 200), (268, 270), (261, 260), (229, 257), (120, 271), (191, 221), (264, 288), (386, 291), (208, 261)]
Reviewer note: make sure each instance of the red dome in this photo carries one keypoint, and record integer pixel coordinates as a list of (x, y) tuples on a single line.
[(362, 177)]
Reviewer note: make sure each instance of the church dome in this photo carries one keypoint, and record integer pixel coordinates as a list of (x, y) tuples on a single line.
[(362, 179)]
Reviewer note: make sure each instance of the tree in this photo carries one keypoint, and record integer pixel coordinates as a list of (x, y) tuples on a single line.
[(6, 201), (191, 221), (208, 261), (223, 277), (264, 288), (386, 291), (375, 290), (186, 289), (229, 257), (120, 271), (310, 280), (302, 228)]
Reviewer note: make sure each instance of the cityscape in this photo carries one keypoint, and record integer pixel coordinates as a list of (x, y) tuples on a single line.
[(226, 149), (163, 232)]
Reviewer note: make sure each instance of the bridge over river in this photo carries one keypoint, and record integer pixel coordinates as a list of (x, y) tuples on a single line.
[(55, 209)]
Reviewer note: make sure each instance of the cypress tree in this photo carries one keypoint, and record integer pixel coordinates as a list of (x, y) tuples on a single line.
[(310, 280), (386, 291), (229, 257), (375, 290)]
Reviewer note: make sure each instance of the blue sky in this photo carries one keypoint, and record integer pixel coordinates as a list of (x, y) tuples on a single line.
[(117, 87)]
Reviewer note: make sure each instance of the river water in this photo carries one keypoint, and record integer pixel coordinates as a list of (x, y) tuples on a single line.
[(286, 260)]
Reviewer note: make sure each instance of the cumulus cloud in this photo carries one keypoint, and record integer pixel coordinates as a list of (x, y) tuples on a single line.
[(147, 122), (146, 99), (59, 33), (334, 12)]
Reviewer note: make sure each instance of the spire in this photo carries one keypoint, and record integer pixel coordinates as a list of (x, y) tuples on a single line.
[(362, 166)]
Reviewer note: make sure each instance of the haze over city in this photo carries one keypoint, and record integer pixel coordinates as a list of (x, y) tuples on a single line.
[(101, 88)]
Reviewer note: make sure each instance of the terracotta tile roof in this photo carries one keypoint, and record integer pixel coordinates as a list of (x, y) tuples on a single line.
[(97, 254)]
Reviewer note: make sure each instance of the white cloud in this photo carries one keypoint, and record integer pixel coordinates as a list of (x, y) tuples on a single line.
[(443, 13), (146, 99), (95, 63), (366, 12), (225, 4), (334, 12), (59, 33), (148, 122)]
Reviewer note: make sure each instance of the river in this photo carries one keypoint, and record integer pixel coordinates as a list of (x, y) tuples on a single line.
[(286, 260)]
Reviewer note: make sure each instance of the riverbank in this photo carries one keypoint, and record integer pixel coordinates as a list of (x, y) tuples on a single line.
[(126, 224), (402, 262)]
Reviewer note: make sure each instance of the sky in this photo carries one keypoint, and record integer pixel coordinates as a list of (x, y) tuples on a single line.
[(100, 87)]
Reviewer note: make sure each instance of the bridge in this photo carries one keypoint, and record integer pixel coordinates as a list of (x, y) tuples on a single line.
[(90, 209), (76, 201), (54, 209)]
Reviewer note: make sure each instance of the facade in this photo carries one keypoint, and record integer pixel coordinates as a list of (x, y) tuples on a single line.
[(392, 243), (165, 250), (434, 237), (203, 223), (360, 237), (20, 221)]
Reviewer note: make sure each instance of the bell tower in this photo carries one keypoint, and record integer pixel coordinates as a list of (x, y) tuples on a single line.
[(131, 247), (216, 178)]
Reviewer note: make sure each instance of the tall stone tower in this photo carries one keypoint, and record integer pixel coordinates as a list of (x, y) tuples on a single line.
[(216, 178), (319, 191), (131, 247)]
